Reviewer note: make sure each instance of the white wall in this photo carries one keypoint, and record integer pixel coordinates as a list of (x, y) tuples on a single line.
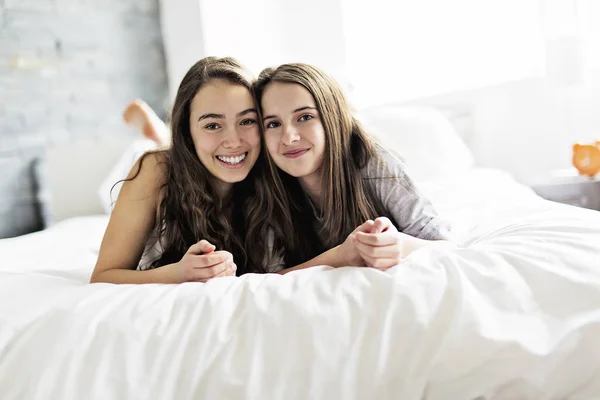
[(260, 33), (408, 49), (265, 33), (525, 127), (183, 38)]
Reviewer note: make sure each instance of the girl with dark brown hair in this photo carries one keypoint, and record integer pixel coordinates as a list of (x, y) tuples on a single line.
[(199, 208)]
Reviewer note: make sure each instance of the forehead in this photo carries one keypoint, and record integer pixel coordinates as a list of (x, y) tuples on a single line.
[(219, 96), (286, 97)]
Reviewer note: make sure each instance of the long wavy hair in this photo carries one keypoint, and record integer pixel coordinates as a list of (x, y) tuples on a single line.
[(192, 208), (346, 201)]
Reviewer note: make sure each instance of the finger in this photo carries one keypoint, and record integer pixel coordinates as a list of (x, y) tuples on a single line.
[(378, 239), (381, 263), (226, 254), (203, 246), (209, 260), (366, 250), (384, 224), (381, 224), (367, 226), (204, 274), (229, 271)]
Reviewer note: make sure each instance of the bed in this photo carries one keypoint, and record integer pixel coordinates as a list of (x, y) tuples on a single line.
[(511, 312)]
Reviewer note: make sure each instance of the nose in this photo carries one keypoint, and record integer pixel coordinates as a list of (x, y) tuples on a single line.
[(232, 139), (290, 135)]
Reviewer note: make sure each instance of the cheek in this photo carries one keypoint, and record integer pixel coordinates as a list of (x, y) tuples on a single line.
[(252, 137), (320, 139), (272, 143), (321, 134), (204, 143)]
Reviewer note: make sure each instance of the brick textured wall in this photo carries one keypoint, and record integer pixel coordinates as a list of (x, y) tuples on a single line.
[(67, 68)]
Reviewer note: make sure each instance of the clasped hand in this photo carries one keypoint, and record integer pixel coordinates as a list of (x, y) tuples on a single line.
[(202, 263), (376, 244)]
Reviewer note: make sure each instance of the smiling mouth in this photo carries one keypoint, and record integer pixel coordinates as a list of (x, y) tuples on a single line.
[(237, 160), (295, 153)]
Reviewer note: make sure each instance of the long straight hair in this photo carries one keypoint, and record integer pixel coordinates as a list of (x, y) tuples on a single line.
[(346, 201)]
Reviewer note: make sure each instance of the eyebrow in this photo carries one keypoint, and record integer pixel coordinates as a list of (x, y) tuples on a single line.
[(211, 115), (222, 116), (248, 111), (295, 111)]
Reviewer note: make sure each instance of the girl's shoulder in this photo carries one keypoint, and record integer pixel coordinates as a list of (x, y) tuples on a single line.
[(148, 176), (150, 168), (385, 163)]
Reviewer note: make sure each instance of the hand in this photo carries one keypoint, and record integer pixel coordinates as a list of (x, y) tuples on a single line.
[(348, 253), (202, 263), (383, 246)]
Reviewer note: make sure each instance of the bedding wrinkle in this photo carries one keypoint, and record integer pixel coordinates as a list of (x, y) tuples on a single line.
[(511, 313)]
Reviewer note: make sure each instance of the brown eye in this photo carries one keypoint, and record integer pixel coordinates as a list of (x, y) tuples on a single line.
[(272, 124), (212, 127), (305, 117), (248, 121)]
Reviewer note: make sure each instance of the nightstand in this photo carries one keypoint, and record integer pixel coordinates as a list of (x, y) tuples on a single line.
[(570, 188)]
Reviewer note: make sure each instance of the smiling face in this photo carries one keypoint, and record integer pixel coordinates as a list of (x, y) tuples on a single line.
[(225, 132), (294, 133)]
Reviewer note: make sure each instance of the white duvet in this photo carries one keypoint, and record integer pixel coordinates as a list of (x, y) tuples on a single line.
[(512, 313)]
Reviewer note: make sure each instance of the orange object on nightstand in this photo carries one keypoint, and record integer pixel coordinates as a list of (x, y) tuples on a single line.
[(586, 158)]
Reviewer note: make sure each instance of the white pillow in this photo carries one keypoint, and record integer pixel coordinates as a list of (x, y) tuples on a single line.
[(68, 176), (120, 170), (424, 138)]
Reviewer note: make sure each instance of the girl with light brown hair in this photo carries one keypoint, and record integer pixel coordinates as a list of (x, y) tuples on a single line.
[(347, 200)]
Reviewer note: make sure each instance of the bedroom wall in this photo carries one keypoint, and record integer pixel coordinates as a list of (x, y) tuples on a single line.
[(279, 37), (527, 127), (67, 69)]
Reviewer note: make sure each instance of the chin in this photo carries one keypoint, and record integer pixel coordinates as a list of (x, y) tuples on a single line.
[(297, 172), (233, 179)]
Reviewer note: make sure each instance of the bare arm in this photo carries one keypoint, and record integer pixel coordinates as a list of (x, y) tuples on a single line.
[(129, 227), (131, 223), (375, 244), (345, 254), (330, 257)]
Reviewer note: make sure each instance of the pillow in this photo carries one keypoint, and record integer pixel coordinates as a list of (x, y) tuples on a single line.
[(423, 137), (68, 176), (120, 170)]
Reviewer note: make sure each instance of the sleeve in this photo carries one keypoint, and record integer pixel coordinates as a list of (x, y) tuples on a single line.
[(411, 212)]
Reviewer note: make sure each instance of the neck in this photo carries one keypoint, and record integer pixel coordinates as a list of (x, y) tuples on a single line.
[(224, 188), (311, 184)]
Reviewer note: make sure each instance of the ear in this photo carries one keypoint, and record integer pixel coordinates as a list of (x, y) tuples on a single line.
[(597, 143), (576, 146)]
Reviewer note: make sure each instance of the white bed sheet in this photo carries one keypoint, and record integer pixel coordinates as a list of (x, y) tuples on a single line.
[(512, 313)]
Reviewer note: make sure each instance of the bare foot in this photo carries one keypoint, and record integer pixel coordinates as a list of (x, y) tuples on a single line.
[(141, 116)]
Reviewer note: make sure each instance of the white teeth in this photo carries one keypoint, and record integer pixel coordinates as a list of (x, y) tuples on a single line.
[(233, 160)]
